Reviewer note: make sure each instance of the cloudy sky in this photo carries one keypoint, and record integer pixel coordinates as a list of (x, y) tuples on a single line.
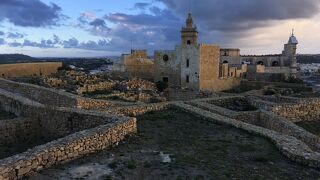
[(73, 28)]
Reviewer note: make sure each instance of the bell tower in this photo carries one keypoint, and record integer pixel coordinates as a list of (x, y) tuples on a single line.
[(189, 33)]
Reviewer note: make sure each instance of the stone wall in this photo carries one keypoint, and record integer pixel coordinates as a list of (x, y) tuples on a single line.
[(52, 97), (29, 69), (53, 122), (101, 86), (305, 110), (18, 130), (137, 110), (65, 149)]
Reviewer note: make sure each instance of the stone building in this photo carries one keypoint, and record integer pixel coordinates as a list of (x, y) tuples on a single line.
[(137, 64), (262, 67), (192, 65)]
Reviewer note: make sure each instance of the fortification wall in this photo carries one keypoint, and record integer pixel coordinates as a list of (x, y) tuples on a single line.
[(29, 69), (65, 149)]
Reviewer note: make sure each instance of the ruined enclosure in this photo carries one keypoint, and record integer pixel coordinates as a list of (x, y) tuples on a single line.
[(235, 104), (41, 135), (165, 147)]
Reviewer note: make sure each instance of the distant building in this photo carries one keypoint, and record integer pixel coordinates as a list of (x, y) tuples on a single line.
[(136, 64), (192, 65), (263, 67), (207, 67), (29, 69)]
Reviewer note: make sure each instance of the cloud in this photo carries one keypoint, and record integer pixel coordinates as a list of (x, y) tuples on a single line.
[(230, 15), (2, 41), (1, 33), (141, 5), (16, 35), (30, 13)]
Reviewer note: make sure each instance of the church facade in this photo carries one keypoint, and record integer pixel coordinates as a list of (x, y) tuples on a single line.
[(207, 67)]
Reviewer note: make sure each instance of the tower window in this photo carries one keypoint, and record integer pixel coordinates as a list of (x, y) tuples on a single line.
[(188, 42), (188, 63), (165, 79), (165, 58), (187, 79)]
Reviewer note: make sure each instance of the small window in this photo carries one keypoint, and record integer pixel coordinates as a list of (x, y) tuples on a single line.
[(165, 79), (2, 75), (225, 62), (165, 58), (260, 63), (275, 63), (188, 42), (188, 63), (187, 79)]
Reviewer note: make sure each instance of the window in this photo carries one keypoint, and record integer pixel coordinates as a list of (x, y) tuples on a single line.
[(188, 63), (188, 42), (260, 63), (165, 79), (187, 79), (2, 75), (225, 62), (275, 63), (165, 58)]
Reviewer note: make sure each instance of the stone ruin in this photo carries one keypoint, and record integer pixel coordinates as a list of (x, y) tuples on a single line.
[(70, 126)]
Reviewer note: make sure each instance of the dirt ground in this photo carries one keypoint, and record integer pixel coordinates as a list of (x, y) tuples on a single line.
[(175, 145)]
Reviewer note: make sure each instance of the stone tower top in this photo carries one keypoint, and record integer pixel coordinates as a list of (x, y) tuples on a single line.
[(293, 39), (189, 33), (189, 21)]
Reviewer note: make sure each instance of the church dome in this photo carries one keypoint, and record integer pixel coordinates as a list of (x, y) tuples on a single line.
[(293, 40)]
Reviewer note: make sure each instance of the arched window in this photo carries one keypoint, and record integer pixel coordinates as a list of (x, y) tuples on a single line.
[(187, 79), (225, 53), (225, 62), (260, 63), (165, 58), (188, 63), (275, 63), (188, 42)]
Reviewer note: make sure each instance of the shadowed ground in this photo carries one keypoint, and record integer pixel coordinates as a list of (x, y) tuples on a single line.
[(175, 145)]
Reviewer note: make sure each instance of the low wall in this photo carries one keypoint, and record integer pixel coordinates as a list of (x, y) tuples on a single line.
[(53, 122), (53, 97), (65, 149), (29, 69), (296, 110), (102, 86), (137, 110), (18, 130), (305, 110), (270, 121)]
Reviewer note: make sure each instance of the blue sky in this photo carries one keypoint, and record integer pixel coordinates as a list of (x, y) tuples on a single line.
[(86, 28)]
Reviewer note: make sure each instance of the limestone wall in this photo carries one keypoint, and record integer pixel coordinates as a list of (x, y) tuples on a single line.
[(306, 110), (210, 71), (52, 97), (29, 69), (65, 149), (53, 122), (137, 110), (18, 130), (102, 86)]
